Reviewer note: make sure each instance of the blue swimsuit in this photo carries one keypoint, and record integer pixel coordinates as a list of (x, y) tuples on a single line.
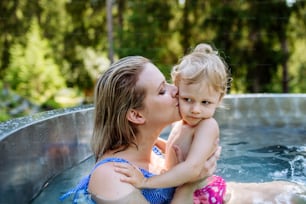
[(155, 196)]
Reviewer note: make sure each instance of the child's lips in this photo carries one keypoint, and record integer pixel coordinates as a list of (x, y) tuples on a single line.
[(193, 117)]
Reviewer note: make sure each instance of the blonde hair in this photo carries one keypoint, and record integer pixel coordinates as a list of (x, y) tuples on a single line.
[(203, 64), (115, 94)]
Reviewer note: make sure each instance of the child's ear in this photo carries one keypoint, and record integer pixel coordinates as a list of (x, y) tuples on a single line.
[(135, 116)]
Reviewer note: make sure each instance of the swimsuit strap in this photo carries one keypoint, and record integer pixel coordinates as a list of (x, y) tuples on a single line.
[(107, 160), (157, 151), (162, 195)]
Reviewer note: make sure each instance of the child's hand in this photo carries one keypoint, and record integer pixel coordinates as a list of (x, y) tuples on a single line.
[(132, 174)]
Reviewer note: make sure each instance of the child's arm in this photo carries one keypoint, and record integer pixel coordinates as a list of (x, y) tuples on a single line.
[(202, 148)]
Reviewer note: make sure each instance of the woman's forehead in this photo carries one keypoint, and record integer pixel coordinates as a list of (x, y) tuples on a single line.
[(150, 76)]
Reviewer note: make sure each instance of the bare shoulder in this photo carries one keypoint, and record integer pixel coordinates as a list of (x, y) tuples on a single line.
[(209, 121), (105, 182), (208, 125)]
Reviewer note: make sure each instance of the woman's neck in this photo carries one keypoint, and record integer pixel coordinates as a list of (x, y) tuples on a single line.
[(140, 153)]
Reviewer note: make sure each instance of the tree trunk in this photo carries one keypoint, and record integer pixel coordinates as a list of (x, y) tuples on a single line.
[(285, 78), (109, 6)]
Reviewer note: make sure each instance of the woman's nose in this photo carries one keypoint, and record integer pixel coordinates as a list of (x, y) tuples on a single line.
[(174, 90)]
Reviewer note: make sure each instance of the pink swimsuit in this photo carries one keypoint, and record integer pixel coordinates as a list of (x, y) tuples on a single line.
[(212, 193)]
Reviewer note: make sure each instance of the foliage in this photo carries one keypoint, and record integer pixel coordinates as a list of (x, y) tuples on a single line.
[(12, 105), (46, 45), (86, 30), (32, 72), (144, 29), (297, 41)]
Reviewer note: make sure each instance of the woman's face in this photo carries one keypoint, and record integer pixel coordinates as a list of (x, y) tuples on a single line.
[(161, 103)]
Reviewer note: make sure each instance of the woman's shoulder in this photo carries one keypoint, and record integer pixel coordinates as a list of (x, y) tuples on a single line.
[(106, 183)]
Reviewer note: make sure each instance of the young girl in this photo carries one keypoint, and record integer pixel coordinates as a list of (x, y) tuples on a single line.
[(202, 79)]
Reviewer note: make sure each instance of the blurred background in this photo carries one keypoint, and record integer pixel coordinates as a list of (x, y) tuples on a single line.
[(52, 51)]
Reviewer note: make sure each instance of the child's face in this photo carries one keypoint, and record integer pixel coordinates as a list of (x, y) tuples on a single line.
[(197, 101)]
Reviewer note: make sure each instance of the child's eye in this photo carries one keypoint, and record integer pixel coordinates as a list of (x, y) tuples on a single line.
[(187, 100), (205, 102)]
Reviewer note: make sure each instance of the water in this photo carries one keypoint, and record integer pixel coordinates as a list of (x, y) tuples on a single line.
[(249, 154), (258, 154)]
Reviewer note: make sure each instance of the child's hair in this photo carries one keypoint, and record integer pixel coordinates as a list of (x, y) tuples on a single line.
[(203, 64)]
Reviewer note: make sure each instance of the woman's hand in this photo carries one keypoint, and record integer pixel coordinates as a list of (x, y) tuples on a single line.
[(210, 165), (184, 193)]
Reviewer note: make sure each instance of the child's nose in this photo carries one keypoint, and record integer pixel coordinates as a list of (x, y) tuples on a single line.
[(195, 109)]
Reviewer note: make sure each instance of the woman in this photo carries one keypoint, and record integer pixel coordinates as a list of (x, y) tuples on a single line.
[(133, 104)]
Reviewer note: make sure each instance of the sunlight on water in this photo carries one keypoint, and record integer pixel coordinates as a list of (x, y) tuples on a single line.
[(248, 155)]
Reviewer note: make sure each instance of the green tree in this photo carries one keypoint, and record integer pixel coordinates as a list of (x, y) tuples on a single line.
[(297, 41), (87, 31), (12, 26), (262, 41), (32, 71), (143, 28), (253, 36)]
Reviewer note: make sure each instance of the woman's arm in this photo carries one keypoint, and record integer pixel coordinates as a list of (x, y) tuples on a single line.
[(132, 198), (105, 187), (202, 147)]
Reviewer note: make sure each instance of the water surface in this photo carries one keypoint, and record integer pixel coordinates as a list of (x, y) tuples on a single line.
[(249, 154)]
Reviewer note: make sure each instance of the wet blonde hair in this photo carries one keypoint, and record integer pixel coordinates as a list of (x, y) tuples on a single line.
[(115, 94), (203, 64)]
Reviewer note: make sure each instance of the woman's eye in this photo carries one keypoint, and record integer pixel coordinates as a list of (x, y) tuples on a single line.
[(162, 91)]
